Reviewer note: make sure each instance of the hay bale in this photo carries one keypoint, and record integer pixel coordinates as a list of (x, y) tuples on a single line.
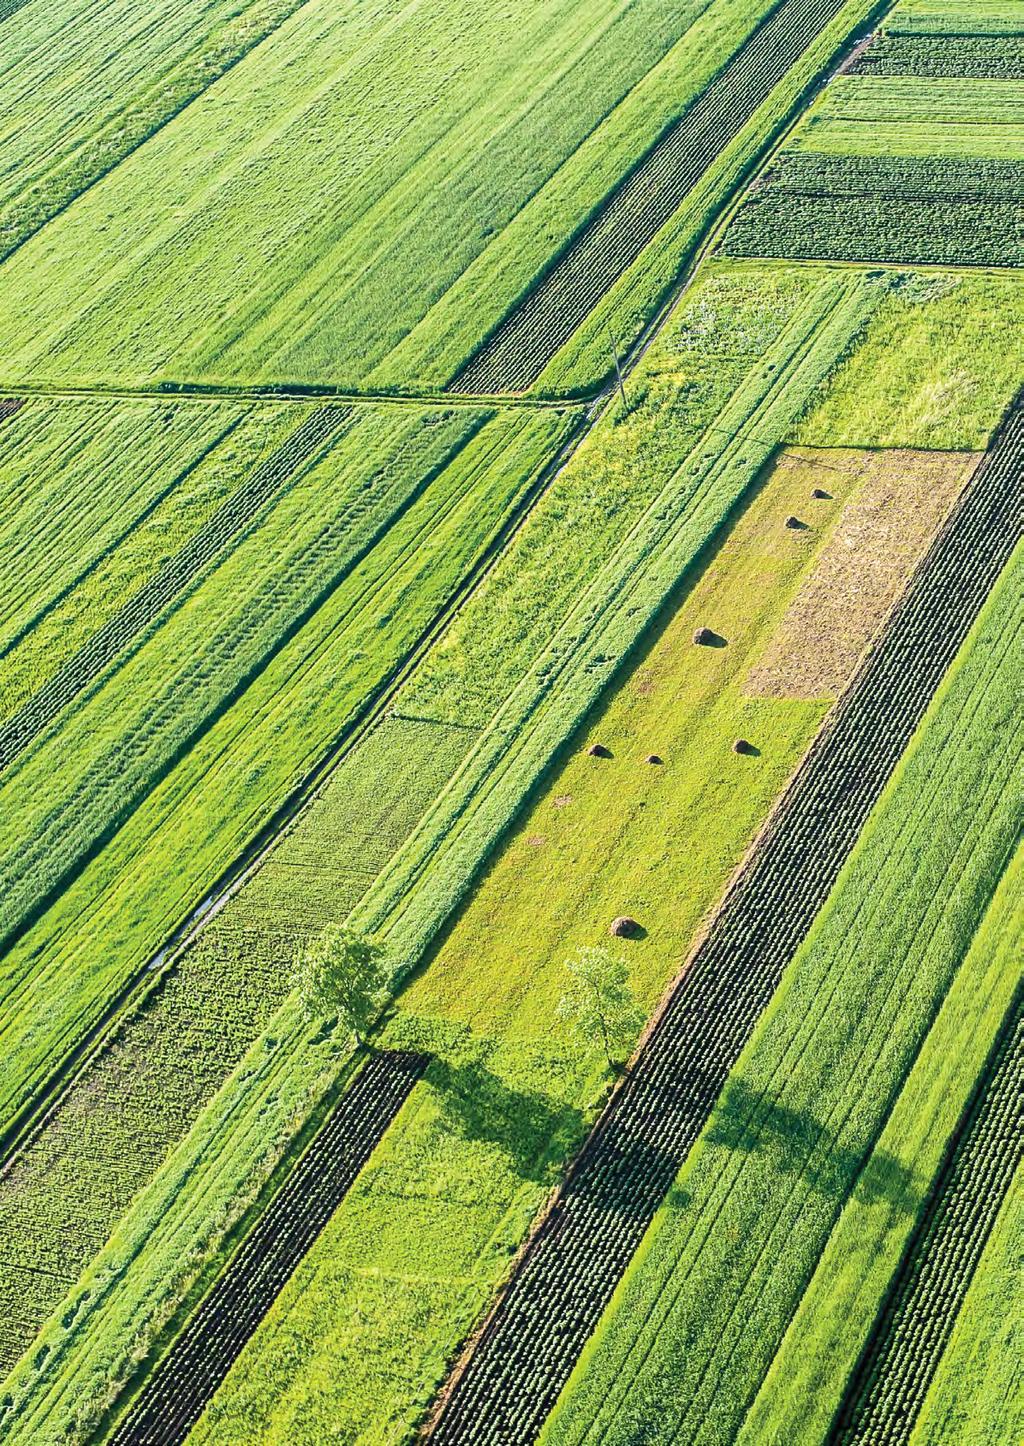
[(743, 745), (624, 927), (795, 524), (821, 494), (598, 750), (703, 637), (653, 758)]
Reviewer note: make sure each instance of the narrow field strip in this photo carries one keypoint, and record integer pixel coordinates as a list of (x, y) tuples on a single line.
[(524, 1355), (916, 1323), (199, 1359), (855, 208), (159, 592), (973, 57), (10, 405), (514, 357)]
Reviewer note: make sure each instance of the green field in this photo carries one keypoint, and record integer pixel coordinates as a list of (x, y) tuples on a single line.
[(459, 470)]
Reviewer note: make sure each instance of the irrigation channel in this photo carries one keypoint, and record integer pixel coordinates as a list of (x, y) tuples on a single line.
[(889, 1386), (508, 1380), (529, 336), (185, 1379), (153, 597)]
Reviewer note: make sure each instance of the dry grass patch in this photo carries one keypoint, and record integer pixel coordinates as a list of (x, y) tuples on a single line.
[(900, 500)]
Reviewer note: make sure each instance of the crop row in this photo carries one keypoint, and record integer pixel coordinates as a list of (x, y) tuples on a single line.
[(567, 1275), (516, 354), (973, 57), (916, 1322), (187, 1377), (9, 405), (855, 208), (155, 595)]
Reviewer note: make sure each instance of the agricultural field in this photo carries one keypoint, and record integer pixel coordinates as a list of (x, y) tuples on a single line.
[(927, 117), (511, 660)]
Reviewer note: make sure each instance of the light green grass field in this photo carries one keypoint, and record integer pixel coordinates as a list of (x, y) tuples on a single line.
[(886, 116)]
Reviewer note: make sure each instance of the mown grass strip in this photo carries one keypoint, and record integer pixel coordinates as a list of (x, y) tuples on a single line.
[(176, 1393), (18, 731), (518, 351), (925, 1297), (562, 1283)]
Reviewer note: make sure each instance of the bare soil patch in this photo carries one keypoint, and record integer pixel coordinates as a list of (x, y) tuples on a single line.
[(898, 505)]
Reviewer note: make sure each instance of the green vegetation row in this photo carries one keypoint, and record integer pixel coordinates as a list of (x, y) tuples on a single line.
[(978, 57), (916, 1322), (745, 353), (513, 358), (78, 101), (576, 1259), (976, 1393), (705, 1306), (164, 755)]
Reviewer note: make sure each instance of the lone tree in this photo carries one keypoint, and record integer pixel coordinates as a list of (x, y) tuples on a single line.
[(598, 999), (342, 974)]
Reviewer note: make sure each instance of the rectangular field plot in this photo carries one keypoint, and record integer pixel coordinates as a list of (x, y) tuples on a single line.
[(957, 17), (883, 116)]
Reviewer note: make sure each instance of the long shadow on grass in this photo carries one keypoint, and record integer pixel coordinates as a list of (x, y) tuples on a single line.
[(531, 1128), (801, 1145)]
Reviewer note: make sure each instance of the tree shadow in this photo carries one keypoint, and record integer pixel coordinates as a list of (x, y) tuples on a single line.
[(530, 1127), (744, 1121)]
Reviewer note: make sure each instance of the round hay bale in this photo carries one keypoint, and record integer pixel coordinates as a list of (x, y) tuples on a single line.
[(743, 745), (624, 927), (703, 636), (821, 494), (598, 750), (794, 523), (653, 758)]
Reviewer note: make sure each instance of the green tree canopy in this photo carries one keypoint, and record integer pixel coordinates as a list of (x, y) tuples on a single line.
[(599, 1002), (343, 974)]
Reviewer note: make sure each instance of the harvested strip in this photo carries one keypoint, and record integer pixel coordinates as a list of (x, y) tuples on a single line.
[(136, 614), (516, 354), (974, 57), (917, 1320), (566, 1276), (884, 531), (187, 1377)]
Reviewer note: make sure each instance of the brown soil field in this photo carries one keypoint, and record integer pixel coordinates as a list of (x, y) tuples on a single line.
[(900, 500)]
